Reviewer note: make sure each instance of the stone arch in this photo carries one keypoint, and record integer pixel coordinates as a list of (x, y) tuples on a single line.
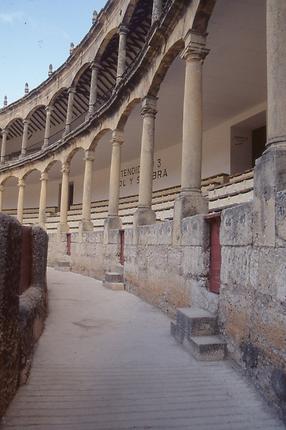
[(79, 74), (9, 176), (71, 154), (129, 11), (97, 138), (203, 14), (34, 110), (51, 164), (104, 44), (56, 95), (29, 172), (125, 115), (164, 66)]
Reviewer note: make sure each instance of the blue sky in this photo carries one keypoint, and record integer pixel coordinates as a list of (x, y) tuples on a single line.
[(36, 33)]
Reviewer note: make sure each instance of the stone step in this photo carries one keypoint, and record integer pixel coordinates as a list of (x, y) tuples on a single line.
[(115, 286), (208, 348), (114, 281), (114, 277), (194, 322)]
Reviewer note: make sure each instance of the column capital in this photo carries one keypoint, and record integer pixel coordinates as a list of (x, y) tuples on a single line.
[(26, 122), (44, 176), (149, 105), (72, 90), (4, 132), (21, 182), (117, 137), (95, 65), (49, 109), (65, 168), (195, 47), (123, 29), (89, 155), (1, 188)]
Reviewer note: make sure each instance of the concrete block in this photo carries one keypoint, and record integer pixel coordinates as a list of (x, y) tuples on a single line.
[(195, 232), (208, 348), (237, 225)]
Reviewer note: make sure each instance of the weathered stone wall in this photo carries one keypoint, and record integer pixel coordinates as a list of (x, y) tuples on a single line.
[(165, 275), (89, 254), (21, 317), (252, 303), (10, 266)]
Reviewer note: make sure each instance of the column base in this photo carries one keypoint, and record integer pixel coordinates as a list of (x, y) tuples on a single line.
[(22, 155), (144, 216), (269, 226), (84, 226), (63, 228), (112, 223), (187, 204)]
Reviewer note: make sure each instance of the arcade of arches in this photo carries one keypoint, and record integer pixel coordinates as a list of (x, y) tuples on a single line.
[(156, 126)]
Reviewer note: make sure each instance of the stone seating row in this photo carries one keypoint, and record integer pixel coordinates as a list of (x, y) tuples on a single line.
[(221, 191)]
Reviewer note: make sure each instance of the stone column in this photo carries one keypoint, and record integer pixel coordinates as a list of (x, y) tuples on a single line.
[(86, 223), (276, 69), (71, 93), (20, 206), (93, 88), (1, 197), (144, 214), (121, 64), (157, 10), (26, 124), (43, 199), (49, 111), (3, 147), (113, 221), (190, 201), (270, 169), (63, 226)]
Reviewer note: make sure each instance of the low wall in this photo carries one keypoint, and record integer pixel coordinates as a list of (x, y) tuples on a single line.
[(165, 275), (21, 316), (252, 310), (87, 253)]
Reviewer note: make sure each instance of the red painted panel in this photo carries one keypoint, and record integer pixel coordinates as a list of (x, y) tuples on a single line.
[(68, 243), (121, 257), (27, 259), (215, 255)]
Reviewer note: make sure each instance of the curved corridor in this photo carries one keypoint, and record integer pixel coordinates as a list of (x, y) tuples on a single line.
[(106, 360)]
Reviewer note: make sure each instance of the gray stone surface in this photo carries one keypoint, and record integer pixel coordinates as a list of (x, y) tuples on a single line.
[(237, 226), (106, 361), (10, 264)]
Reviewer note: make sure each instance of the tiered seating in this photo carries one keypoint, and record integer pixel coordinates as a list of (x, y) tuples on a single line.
[(221, 191)]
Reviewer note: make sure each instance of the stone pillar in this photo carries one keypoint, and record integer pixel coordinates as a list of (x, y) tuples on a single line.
[(270, 169), (71, 93), (26, 124), (63, 226), (86, 223), (190, 201), (20, 206), (1, 197), (3, 146), (144, 214), (121, 64), (113, 221), (49, 111), (43, 199), (157, 10), (93, 88)]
